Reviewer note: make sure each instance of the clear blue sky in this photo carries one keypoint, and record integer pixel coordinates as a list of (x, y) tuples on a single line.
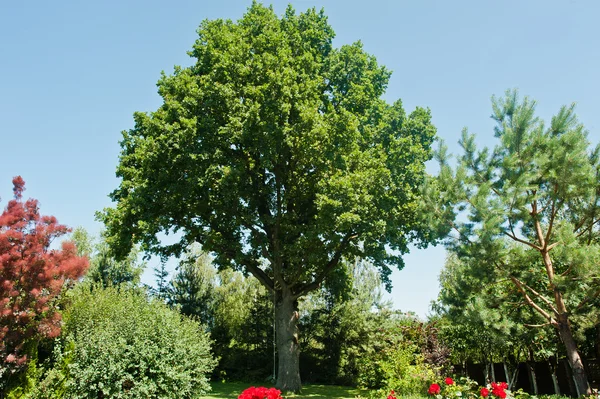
[(73, 72)]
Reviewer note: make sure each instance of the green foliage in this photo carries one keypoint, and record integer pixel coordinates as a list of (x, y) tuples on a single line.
[(402, 353), (242, 327), (119, 343), (405, 372), (54, 384), (20, 385), (338, 320), (274, 145), (104, 268), (192, 285), (529, 225)]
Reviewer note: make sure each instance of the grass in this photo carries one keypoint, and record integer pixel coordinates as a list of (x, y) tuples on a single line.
[(231, 390)]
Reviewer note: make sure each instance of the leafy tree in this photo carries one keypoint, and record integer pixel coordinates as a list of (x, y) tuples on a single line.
[(104, 268), (338, 320), (533, 206), (484, 320), (192, 285), (276, 152), (31, 277), (242, 326)]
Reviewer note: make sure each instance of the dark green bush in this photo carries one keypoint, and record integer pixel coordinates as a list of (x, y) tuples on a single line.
[(118, 343)]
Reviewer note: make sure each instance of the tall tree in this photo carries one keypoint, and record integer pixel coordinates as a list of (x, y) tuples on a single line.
[(533, 206), (276, 152), (31, 277)]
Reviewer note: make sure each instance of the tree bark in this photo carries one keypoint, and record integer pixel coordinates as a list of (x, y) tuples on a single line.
[(288, 347), (564, 327), (553, 365), (507, 375), (532, 377), (579, 376)]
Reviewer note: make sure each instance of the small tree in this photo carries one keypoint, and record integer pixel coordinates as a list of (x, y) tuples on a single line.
[(31, 276), (192, 285)]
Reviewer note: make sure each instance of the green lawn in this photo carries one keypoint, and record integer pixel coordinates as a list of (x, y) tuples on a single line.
[(231, 390)]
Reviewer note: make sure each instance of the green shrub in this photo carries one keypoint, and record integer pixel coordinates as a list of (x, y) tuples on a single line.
[(405, 372), (120, 344)]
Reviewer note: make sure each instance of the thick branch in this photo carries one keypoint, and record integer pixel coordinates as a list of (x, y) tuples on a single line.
[(514, 237), (552, 217), (543, 298), (537, 325), (531, 303), (252, 267), (539, 232), (333, 262), (260, 275)]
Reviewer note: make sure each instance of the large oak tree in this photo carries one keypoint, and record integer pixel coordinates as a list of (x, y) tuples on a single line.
[(276, 152)]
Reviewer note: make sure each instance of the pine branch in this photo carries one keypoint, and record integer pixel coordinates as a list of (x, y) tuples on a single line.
[(514, 237), (531, 303)]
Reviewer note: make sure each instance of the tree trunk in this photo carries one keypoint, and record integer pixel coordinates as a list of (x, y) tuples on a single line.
[(288, 348), (579, 376), (507, 375), (532, 377), (553, 365)]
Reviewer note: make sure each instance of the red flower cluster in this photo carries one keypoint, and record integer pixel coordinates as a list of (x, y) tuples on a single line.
[(449, 381), (260, 393), (498, 389), (392, 395), (484, 392), (434, 389)]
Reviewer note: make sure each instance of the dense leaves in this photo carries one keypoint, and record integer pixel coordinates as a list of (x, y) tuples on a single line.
[(31, 277), (274, 146), (119, 344)]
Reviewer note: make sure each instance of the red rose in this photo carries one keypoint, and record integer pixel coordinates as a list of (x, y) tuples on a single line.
[(260, 393), (449, 381), (498, 389), (434, 389), (484, 392)]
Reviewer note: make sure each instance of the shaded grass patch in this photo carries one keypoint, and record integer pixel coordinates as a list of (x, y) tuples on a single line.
[(231, 390)]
